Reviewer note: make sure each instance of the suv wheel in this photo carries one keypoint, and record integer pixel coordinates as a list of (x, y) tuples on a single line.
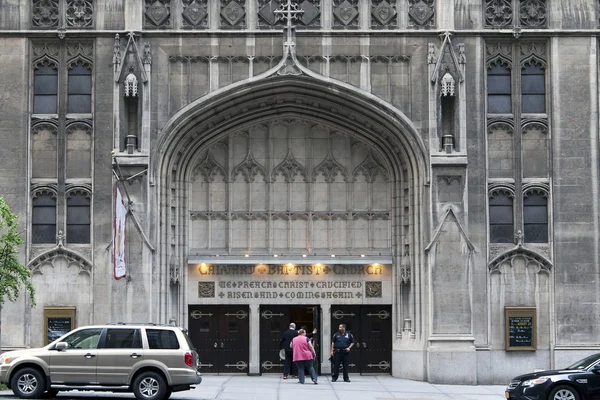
[(28, 383), (564, 393), (149, 386)]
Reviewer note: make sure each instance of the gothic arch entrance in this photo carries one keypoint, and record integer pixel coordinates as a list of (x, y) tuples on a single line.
[(287, 173)]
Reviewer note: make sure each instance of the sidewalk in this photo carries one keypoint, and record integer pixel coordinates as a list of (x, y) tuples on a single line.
[(272, 387)]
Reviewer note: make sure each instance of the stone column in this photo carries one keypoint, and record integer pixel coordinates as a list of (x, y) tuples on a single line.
[(254, 355)]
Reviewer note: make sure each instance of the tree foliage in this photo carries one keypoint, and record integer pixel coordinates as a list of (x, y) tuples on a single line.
[(13, 275)]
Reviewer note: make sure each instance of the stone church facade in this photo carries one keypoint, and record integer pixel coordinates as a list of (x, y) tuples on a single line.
[(424, 171)]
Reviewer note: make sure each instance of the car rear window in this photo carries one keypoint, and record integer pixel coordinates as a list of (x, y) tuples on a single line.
[(162, 339)]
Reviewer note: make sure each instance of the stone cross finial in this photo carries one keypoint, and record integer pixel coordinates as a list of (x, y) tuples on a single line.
[(289, 12)]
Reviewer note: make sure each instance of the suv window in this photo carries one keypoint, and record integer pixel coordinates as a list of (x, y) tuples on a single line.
[(84, 339), (119, 338), (162, 339)]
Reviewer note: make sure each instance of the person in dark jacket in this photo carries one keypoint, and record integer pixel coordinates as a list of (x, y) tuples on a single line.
[(341, 344), (286, 340)]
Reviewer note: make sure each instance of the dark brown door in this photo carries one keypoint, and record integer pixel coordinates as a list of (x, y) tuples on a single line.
[(220, 335), (204, 334), (350, 316), (274, 320), (234, 339), (376, 339)]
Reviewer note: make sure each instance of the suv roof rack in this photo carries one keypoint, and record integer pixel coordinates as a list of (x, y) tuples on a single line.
[(139, 323)]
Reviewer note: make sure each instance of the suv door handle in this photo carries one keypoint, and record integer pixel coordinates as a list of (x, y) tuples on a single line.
[(89, 355), (135, 355)]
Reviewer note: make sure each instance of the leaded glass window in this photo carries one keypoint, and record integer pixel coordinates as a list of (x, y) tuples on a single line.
[(533, 89), (535, 218), (501, 218), (78, 218), (45, 82), (43, 220), (499, 89)]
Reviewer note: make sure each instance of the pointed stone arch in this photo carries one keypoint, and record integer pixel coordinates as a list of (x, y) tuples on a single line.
[(530, 255), (50, 256)]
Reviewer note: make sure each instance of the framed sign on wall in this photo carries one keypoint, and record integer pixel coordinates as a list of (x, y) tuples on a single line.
[(57, 322), (520, 325)]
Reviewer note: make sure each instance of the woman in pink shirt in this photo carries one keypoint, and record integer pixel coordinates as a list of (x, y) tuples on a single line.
[(304, 353)]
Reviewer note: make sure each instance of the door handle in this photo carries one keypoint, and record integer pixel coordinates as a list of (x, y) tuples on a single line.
[(89, 355), (135, 355), (221, 344), (357, 345), (364, 345), (216, 345)]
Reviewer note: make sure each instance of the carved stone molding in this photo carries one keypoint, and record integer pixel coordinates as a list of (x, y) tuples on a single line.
[(543, 189), (290, 215), (209, 168), (533, 14), (309, 17), (57, 253), (233, 13), (530, 255), (209, 216), (370, 216), (80, 14), (289, 168), (345, 13), (78, 188), (45, 14), (330, 168), (539, 124), (421, 13), (45, 53), (370, 168), (44, 125), (157, 14), (41, 189), (249, 168), (498, 53), (189, 59), (195, 13), (498, 13), (373, 289), (384, 14), (505, 124), (79, 125), (174, 271), (80, 53), (533, 53), (501, 188)]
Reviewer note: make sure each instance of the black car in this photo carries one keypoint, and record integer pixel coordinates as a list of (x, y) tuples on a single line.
[(580, 381)]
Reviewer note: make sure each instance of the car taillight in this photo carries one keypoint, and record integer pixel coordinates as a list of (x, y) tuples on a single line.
[(188, 359)]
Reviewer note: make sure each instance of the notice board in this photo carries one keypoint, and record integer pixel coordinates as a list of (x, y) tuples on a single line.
[(57, 322), (520, 325)]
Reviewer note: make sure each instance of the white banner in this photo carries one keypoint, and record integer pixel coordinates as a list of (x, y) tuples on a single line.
[(119, 236)]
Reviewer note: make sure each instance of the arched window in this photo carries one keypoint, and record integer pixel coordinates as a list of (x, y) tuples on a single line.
[(80, 90), (45, 82), (533, 89), (501, 218), (535, 217), (78, 218), (498, 89), (43, 220)]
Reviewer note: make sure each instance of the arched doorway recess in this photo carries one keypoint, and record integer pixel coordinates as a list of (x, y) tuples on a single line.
[(337, 109)]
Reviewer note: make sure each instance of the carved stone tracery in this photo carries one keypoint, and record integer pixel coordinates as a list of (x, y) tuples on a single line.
[(330, 168), (80, 13), (383, 14), (370, 168), (498, 13), (345, 13), (157, 13), (195, 13), (249, 168), (45, 14), (233, 13), (290, 168), (209, 168), (533, 13), (421, 13)]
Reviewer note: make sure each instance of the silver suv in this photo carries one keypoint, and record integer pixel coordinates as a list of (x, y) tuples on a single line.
[(151, 360)]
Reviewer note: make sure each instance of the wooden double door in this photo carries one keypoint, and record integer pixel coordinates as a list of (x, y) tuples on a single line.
[(274, 321), (221, 336), (371, 327)]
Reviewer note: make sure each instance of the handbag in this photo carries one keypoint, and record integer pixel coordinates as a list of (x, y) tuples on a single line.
[(282, 354)]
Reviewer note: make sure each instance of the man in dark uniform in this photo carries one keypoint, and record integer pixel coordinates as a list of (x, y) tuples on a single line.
[(289, 355), (341, 343)]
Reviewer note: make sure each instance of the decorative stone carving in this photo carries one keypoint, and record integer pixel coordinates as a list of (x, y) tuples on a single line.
[(289, 168), (431, 58), (373, 289), (131, 84), (147, 58), (44, 125), (500, 124), (232, 13), (80, 13), (80, 53), (209, 216), (79, 125), (206, 289), (45, 14), (462, 56), (249, 168), (346, 13), (539, 124), (498, 53), (309, 16), (195, 14), (312, 13), (60, 252), (267, 14), (532, 257), (370, 216), (447, 85), (117, 52), (45, 52), (533, 53), (384, 14), (209, 168), (330, 168), (370, 168), (533, 13), (498, 13), (421, 13), (157, 14)]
